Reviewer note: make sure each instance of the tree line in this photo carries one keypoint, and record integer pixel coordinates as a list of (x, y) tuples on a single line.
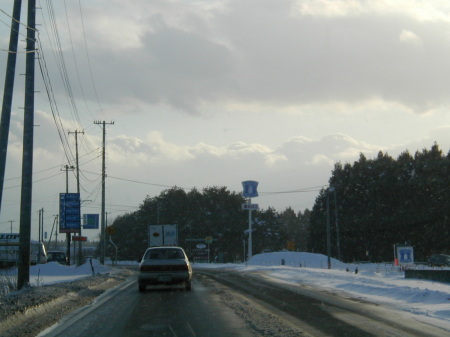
[(378, 203), (369, 206), (213, 212)]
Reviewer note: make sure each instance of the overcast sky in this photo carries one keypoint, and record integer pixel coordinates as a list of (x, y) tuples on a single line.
[(212, 93)]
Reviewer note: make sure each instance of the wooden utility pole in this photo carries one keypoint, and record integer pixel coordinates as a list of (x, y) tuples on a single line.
[(102, 228), (8, 91), (41, 230), (76, 132), (23, 275)]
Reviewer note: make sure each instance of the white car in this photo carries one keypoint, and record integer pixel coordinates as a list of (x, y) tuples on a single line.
[(164, 265)]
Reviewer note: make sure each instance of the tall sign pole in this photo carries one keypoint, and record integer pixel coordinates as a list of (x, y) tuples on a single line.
[(250, 191), (23, 275)]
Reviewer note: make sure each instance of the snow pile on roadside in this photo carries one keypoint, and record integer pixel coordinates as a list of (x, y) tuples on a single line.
[(53, 272), (55, 291), (381, 283)]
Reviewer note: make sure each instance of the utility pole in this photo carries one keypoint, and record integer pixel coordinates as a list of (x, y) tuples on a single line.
[(23, 274), (68, 168), (328, 230), (55, 223), (102, 229), (42, 223), (80, 252), (76, 132), (8, 91), (56, 231), (41, 230)]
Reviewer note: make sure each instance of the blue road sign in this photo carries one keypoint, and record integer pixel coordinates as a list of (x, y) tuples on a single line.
[(90, 221), (250, 189), (69, 213)]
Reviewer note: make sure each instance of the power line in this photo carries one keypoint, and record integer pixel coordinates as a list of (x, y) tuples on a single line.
[(88, 57)]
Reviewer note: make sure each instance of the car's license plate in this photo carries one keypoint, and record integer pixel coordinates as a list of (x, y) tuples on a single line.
[(164, 278)]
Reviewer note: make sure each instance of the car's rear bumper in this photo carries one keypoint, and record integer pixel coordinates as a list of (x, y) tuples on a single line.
[(146, 278)]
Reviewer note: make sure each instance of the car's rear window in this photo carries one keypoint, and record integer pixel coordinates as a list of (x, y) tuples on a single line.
[(159, 254)]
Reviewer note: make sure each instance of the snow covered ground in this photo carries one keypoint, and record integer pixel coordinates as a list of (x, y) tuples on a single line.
[(385, 284)]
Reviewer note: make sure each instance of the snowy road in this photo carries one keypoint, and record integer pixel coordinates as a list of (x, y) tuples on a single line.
[(226, 303), (322, 313), (124, 311)]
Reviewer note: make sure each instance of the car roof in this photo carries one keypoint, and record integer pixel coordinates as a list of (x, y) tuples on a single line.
[(165, 247)]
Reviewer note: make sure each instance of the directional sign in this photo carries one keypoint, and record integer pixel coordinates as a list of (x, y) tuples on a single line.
[(250, 189), (90, 221), (250, 207), (69, 213), (405, 255)]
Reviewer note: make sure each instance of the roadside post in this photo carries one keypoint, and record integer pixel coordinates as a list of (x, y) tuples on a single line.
[(110, 230)]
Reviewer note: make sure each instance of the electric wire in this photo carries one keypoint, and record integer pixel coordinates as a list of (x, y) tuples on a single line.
[(53, 106), (75, 59), (61, 63), (88, 57)]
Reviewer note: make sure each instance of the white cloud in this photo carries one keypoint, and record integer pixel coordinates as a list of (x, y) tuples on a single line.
[(409, 37), (420, 10)]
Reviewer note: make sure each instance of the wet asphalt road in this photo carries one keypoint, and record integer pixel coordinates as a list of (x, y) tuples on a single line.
[(226, 303)]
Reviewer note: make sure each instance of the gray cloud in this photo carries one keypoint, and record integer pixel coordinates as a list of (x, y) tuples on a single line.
[(258, 51)]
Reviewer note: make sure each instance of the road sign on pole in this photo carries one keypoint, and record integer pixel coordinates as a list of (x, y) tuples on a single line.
[(250, 189), (91, 221), (69, 213)]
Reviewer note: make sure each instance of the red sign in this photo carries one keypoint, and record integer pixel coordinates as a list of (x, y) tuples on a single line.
[(79, 238)]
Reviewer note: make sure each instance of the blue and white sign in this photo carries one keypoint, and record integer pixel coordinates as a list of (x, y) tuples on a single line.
[(69, 213), (250, 189), (405, 255), (90, 221)]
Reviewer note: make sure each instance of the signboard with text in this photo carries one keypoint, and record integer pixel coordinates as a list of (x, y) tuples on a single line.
[(162, 235), (90, 221), (250, 207), (69, 213)]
